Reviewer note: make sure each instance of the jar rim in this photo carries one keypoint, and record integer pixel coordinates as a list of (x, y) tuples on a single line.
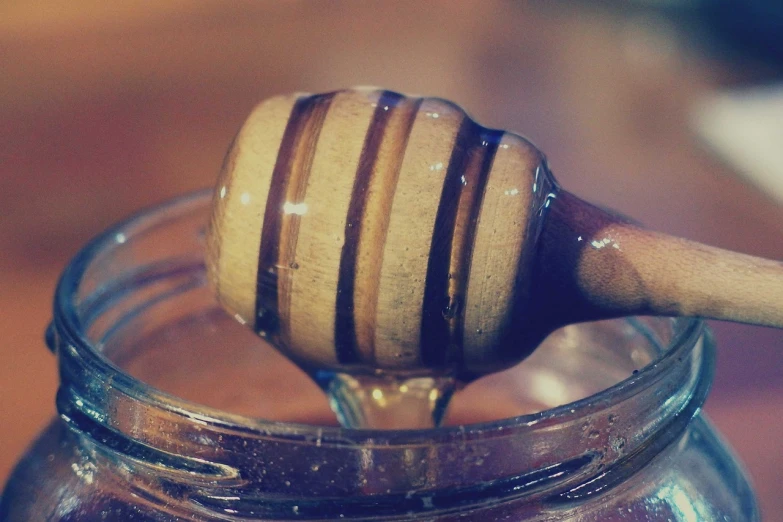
[(687, 331)]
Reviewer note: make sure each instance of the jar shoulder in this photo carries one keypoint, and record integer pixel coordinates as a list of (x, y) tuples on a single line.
[(694, 478), (58, 480)]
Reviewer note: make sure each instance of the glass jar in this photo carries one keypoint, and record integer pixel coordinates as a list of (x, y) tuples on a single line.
[(162, 395)]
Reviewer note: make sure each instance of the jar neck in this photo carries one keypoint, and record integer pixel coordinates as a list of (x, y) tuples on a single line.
[(564, 455), (216, 461)]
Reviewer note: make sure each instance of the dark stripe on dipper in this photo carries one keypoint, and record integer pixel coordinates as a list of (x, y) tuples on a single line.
[(448, 264), (458, 290), (345, 321), (289, 180)]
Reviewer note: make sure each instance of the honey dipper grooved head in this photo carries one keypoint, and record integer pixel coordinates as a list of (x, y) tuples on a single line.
[(366, 230)]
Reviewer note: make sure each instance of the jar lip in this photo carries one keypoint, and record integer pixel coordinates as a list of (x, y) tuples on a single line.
[(70, 330)]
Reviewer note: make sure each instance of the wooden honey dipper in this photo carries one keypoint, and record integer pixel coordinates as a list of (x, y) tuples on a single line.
[(364, 230)]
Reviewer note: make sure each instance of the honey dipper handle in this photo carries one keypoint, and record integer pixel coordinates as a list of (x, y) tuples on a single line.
[(606, 267)]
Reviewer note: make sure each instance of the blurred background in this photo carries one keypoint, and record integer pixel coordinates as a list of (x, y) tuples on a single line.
[(671, 112)]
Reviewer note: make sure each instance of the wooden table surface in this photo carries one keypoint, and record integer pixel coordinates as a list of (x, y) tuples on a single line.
[(106, 110)]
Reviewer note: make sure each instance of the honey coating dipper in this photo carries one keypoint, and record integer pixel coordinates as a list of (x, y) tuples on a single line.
[(363, 230)]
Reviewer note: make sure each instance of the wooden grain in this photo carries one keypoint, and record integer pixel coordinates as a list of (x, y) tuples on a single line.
[(396, 233), (611, 267), (371, 216)]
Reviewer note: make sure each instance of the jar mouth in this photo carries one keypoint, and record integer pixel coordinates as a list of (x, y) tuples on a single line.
[(71, 333)]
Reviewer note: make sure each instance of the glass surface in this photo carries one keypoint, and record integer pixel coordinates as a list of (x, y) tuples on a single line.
[(162, 398)]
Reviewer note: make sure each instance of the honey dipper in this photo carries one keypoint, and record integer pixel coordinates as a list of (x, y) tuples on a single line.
[(363, 231)]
